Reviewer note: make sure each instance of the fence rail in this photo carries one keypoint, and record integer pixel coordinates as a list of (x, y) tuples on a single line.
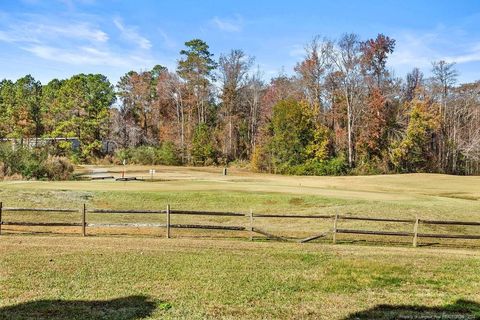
[(298, 216), (126, 211), (168, 225), (38, 210), (207, 213), (377, 233), (42, 224), (450, 222), (376, 219)]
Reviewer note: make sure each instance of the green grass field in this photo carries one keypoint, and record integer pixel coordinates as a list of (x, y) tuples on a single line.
[(135, 273), (198, 279)]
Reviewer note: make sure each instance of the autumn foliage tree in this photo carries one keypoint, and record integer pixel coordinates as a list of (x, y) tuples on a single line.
[(414, 152), (374, 57), (233, 69), (372, 140), (340, 110)]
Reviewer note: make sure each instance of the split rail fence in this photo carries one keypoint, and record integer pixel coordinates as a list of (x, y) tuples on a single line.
[(415, 235)]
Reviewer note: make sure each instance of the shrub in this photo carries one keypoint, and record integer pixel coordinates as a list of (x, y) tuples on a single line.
[(203, 149), (33, 167), (122, 154), (333, 167), (32, 164), (166, 154), (144, 155), (375, 165), (337, 166), (20, 162), (105, 161), (260, 160), (58, 168)]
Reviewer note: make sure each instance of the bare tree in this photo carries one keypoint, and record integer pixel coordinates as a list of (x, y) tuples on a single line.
[(171, 89), (123, 129), (466, 133), (414, 83), (312, 72), (252, 95), (347, 59), (444, 78), (233, 69)]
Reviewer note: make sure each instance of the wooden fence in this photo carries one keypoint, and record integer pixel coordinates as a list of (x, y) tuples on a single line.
[(415, 235)]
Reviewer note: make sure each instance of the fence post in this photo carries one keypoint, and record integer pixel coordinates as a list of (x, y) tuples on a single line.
[(1, 221), (415, 231), (168, 221), (251, 225), (335, 221), (84, 220)]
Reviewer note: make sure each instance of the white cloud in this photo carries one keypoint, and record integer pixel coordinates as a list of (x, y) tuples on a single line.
[(473, 55), (85, 56), (167, 41), (415, 49), (228, 25), (79, 31), (42, 31), (76, 41), (297, 51), (5, 36), (131, 34)]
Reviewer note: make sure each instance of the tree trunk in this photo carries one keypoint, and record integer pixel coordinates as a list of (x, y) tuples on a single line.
[(349, 131)]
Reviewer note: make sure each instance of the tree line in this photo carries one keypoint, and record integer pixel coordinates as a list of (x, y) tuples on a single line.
[(341, 111)]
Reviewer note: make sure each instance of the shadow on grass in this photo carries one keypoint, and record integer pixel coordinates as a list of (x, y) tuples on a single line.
[(127, 308), (461, 309)]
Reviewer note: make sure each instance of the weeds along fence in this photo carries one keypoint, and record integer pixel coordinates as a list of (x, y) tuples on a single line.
[(250, 225)]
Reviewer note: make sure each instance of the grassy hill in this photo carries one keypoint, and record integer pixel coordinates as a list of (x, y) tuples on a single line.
[(430, 195), (193, 276)]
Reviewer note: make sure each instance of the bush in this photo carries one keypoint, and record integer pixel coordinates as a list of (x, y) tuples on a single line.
[(32, 164), (337, 166), (166, 154), (333, 167), (21, 161), (105, 161), (58, 168), (122, 154), (203, 149), (33, 167), (260, 160), (144, 155), (372, 166)]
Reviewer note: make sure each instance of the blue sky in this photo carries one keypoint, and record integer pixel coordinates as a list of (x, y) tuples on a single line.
[(56, 39)]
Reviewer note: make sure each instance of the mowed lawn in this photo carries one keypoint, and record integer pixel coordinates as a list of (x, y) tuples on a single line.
[(58, 277), (211, 275), (428, 196)]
